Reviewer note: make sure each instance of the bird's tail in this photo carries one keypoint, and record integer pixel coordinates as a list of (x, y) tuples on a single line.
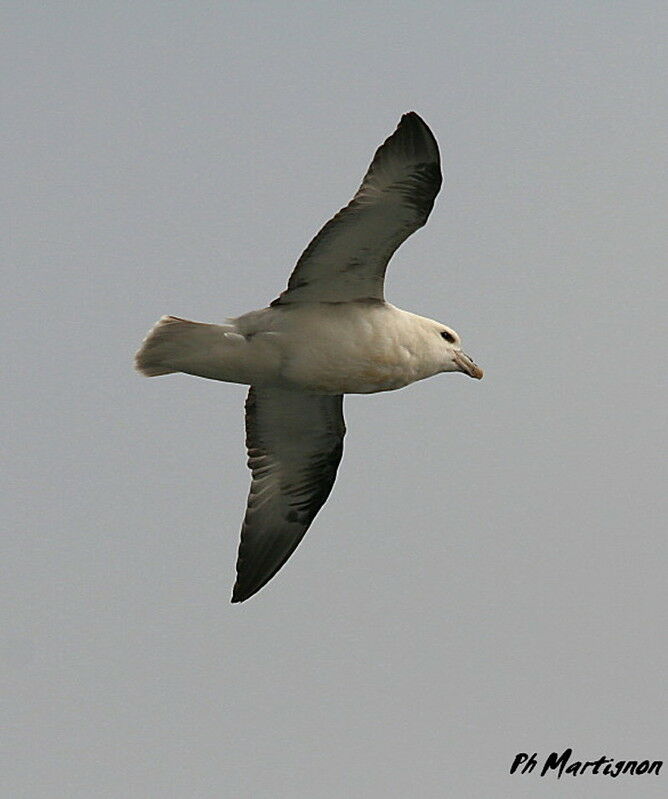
[(218, 352), (171, 345)]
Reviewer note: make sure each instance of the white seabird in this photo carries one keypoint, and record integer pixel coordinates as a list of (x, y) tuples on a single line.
[(330, 333)]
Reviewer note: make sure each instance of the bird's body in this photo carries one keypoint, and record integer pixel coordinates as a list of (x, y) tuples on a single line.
[(357, 347), (330, 333)]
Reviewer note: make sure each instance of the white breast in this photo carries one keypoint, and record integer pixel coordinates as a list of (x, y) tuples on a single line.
[(352, 348)]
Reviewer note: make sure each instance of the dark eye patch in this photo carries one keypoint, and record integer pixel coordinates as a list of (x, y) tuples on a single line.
[(448, 336)]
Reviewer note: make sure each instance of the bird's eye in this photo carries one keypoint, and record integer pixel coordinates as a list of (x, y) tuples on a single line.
[(447, 335)]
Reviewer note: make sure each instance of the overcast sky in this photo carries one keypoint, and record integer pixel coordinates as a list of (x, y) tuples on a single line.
[(489, 573)]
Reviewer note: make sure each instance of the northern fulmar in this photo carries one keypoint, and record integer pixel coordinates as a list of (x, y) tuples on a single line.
[(330, 333)]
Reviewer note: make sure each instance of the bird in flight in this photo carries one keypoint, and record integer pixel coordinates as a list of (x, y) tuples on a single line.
[(330, 333)]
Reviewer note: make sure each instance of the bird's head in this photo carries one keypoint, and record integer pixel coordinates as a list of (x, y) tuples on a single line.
[(450, 354)]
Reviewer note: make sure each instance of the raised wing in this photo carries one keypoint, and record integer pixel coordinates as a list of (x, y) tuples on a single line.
[(295, 443), (348, 258)]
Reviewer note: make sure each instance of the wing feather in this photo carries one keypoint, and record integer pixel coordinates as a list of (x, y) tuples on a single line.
[(347, 259), (295, 443)]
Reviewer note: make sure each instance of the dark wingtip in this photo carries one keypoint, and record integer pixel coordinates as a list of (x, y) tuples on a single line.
[(241, 594), (412, 117), (412, 128), (238, 595)]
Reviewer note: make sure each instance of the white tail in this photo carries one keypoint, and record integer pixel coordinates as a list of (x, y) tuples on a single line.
[(173, 344), (218, 352)]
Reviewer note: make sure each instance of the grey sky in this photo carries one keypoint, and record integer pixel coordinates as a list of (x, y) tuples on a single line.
[(488, 576)]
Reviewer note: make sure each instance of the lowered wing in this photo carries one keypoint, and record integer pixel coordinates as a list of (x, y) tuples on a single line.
[(295, 443)]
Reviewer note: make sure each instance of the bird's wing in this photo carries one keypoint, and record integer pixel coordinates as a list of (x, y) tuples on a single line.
[(348, 257), (295, 443)]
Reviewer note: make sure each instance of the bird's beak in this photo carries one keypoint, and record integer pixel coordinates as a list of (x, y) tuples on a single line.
[(467, 366)]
